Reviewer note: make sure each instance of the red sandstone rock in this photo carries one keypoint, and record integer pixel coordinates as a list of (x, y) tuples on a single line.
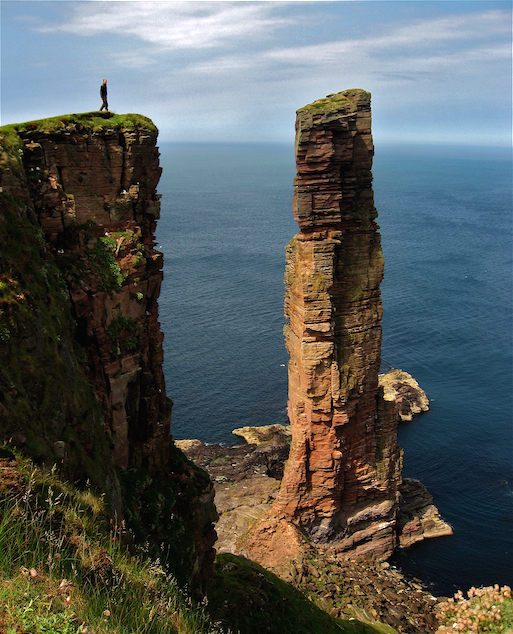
[(107, 180), (94, 193), (418, 518), (402, 389), (340, 483)]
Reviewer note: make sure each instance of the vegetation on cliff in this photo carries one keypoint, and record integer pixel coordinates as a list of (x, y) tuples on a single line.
[(482, 610), (85, 122), (62, 365), (66, 568), (43, 379)]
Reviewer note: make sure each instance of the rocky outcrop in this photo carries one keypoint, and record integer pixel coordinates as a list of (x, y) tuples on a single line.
[(245, 493), (82, 279), (341, 479), (402, 389), (263, 434), (418, 517)]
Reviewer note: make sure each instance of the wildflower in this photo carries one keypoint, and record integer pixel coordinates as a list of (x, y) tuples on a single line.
[(106, 613)]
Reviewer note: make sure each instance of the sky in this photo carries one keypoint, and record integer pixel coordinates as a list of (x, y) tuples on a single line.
[(439, 71)]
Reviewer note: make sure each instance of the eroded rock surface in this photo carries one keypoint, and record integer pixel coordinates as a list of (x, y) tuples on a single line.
[(340, 483), (263, 434), (81, 378), (402, 389), (418, 517), (95, 198), (245, 493)]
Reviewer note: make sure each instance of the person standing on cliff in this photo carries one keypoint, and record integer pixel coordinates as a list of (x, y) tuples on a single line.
[(103, 95)]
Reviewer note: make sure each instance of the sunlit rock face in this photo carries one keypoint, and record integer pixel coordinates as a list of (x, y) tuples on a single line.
[(341, 480)]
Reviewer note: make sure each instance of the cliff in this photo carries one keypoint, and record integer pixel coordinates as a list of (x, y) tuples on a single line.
[(342, 486), (341, 480), (81, 379)]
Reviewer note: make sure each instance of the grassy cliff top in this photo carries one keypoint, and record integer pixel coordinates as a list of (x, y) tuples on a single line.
[(345, 101), (87, 121)]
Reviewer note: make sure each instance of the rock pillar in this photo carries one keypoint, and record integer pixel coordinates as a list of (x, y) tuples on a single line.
[(340, 483)]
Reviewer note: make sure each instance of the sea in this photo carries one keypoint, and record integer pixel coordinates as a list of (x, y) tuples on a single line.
[(445, 214)]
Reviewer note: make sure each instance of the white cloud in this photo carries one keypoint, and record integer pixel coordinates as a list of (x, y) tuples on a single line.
[(404, 40), (173, 25), (413, 54)]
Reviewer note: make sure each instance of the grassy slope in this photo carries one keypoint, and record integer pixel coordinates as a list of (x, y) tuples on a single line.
[(64, 568)]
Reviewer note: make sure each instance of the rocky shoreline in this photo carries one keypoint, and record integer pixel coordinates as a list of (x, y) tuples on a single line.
[(247, 479)]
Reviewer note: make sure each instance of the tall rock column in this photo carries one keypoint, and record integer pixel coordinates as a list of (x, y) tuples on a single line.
[(340, 483)]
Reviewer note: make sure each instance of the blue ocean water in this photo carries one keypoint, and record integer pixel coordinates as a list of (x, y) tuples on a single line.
[(446, 225)]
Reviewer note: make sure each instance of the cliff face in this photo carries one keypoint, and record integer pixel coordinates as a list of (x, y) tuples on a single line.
[(82, 380), (341, 480), (97, 207)]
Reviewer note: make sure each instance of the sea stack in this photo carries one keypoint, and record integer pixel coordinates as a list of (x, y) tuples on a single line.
[(342, 477)]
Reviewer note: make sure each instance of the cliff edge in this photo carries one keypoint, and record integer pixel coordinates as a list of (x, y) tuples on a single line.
[(81, 378)]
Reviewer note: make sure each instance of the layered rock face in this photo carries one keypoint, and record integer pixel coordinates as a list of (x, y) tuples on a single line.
[(341, 479), (81, 379), (97, 205)]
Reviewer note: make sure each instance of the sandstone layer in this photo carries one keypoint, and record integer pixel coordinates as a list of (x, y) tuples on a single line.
[(418, 517), (341, 480), (81, 379), (97, 201), (263, 434)]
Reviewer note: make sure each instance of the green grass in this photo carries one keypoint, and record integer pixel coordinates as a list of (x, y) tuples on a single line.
[(87, 121), (332, 103), (220, 460), (65, 568)]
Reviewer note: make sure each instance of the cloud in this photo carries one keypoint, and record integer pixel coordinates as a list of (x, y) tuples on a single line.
[(173, 25), (238, 68), (449, 50), (403, 40)]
